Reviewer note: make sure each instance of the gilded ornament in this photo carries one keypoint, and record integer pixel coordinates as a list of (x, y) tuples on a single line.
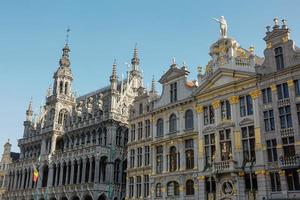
[(201, 177), (281, 173), (290, 83), (233, 99), (254, 94), (285, 39), (199, 108), (216, 104), (273, 88), (241, 174), (269, 45)]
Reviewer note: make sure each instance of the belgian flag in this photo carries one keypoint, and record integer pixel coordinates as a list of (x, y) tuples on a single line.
[(35, 174)]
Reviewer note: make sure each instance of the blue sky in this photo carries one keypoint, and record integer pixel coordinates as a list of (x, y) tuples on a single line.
[(32, 34)]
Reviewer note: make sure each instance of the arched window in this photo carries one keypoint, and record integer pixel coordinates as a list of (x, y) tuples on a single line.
[(100, 136), (173, 188), (88, 137), (66, 88), (61, 86), (117, 171), (189, 119), (189, 187), (189, 156), (94, 136), (104, 136), (45, 176), (158, 191), (173, 159), (103, 163), (62, 117), (118, 137), (173, 123), (160, 127)]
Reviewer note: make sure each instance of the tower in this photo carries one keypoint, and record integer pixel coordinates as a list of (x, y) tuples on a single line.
[(28, 121), (135, 73)]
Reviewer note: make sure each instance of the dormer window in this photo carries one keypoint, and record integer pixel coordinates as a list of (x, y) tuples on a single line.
[(279, 58), (173, 92)]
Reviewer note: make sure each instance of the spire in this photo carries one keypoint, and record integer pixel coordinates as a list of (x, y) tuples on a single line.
[(153, 88), (173, 63), (114, 71), (29, 111), (64, 61), (135, 61)]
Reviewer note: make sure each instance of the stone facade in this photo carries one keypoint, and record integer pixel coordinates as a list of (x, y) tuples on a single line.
[(232, 134), (76, 143)]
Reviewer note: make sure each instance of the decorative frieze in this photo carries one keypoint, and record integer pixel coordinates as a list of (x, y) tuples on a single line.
[(233, 100)]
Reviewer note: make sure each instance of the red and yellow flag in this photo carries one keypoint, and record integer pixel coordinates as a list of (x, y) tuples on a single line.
[(35, 174)]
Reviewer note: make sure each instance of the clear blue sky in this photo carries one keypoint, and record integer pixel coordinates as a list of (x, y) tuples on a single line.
[(32, 34)]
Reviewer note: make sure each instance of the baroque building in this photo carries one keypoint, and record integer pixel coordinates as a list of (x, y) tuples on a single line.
[(77, 144), (232, 134)]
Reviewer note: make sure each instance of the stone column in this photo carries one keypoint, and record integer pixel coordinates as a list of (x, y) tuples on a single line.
[(53, 143), (97, 169), (283, 182), (216, 105), (50, 176), (241, 186), (200, 150), (134, 187), (29, 178), (40, 179), (79, 172), (57, 175), (165, 162), (195, 148), (182, 160), (83, 170), (61, 174), (72, 172), (261, 184), (43, 147), (90, 171)]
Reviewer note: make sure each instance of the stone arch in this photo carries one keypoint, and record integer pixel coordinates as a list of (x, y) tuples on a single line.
[(59, 144), (63, 198), (87, 197), (45, 175), (103, 164), (52, 198), (102, 197), (75, 197)]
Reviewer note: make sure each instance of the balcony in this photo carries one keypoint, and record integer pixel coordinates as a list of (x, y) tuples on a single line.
[(224, 166), (286, 162), (286, 132)]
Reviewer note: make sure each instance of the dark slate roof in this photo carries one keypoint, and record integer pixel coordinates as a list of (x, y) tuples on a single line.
[(14, 155)]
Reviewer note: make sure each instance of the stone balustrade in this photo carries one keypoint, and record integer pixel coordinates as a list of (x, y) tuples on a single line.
[(286, 162), (224, 166)]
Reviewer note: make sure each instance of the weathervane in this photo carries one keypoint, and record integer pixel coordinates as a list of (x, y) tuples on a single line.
[(67, 37)]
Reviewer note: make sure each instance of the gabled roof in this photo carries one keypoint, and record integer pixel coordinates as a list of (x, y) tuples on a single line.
[(173, 73)]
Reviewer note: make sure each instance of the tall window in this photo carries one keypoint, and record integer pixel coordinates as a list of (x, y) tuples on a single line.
[(116, 171), (189, 187), (297, 87), (210, 148), (139, 156), (132, 132), (189, 154), (279, 58), (62, 117), (292, 179), (209, 115), (146, 186), (283, 91), (248, 141), (225, 110), (132, 155), (246, 107), (173, 159), (275, 181), (160, 127), (159, 159), (173, 188), (272, 150), (173, 92), (267, 95), (210, 185), (158, 190), (189, 119), (147, 155), (173, 123), (140, 130), (138, 186), (225, 144), (147, 128), (131, 186), (285, 117), (141, 108), (288, 144), (118, 137), (269, 120), (298, 112), (250, 181)]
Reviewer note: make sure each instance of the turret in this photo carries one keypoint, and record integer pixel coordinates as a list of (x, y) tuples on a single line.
[(153, 87), (114, 77), (28, 121), (135, 73)]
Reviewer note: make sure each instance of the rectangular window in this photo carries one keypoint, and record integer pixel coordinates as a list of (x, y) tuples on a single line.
[(279, 58), (288, 144), (282, 91), (297, 87), (132, 132), (132, 155), (131, 186), (292, 179), (139, 156), (147, 128), (275, 181), (250, 181), (225, 144), (138, 186), (189, 154), (285, 117), (225, 110), (267, 95), (269, 120), (140, 130), (173, 92), (159, 159), (146, 186), (248, 141), (272, 150), (210, 148), (209, 115), (246, 107), (147, 155), (141, 108), (298, 112)]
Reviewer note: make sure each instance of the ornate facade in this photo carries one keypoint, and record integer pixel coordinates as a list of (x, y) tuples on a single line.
[(232, 134), (76, 143)]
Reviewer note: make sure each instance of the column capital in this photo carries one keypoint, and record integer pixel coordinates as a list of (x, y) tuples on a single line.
[(199, 108), (254, 94), (273, 88), (290, 83), (261, 172), (201, 177), (233, 99), (216, 104)]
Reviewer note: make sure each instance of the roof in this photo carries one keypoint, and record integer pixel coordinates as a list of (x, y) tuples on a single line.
[(14, 155)]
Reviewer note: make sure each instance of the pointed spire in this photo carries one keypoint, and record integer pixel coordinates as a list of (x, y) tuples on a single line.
[(64, 61), (135, 61), (153, 87), (29, 111), (114, 71)]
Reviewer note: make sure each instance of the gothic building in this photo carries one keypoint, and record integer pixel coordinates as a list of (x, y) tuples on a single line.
[(76, 143), (232, 134)]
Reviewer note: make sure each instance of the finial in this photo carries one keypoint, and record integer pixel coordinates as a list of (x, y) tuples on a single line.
[(114, 70), (199, 68), (251, 48), (135, 61), (153, 84), (284, 25), (173, 61), (275, 23), (268, 28), (67, 36), (29, 111)]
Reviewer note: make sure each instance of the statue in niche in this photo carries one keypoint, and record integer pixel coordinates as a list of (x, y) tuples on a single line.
[(223, 26)]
